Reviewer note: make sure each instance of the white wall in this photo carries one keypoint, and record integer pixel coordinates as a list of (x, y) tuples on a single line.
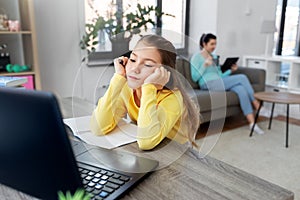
[(57, 26), (236, 24), (203, 19), (60, 25), (238, 27)]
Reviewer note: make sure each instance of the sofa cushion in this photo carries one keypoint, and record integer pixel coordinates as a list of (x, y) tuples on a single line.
[(214, 100), (256, 77)]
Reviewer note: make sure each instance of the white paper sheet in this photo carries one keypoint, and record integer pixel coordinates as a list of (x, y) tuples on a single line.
[(123, 134)]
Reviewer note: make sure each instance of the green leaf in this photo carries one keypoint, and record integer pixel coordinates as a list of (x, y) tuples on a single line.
[(94, 34), (95, 43), (61, 196), (68, 195), (139, 7), (80, 194)]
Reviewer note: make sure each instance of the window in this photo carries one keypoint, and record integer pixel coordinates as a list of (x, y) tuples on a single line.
[(174, 29), (287, 23)]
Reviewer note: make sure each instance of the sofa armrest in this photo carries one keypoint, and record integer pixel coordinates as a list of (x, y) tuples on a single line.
[(257, 77)]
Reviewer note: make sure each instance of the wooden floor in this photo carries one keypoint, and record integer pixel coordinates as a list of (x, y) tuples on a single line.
[(236, 122)]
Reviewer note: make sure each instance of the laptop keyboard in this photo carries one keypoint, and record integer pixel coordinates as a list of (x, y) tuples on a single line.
[(99, 182)]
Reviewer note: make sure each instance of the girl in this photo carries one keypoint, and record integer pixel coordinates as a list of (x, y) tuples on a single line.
[(209, 76), (151, 95)]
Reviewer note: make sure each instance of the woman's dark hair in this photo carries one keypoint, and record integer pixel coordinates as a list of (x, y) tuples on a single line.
[(205, 38)]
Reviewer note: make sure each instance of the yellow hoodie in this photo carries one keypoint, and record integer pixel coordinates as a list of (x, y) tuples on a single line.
[(159, 114)]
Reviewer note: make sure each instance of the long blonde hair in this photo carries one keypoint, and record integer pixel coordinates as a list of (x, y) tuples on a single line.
[(167, 51)]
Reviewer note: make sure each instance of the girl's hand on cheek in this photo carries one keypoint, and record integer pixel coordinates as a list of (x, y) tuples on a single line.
[(160, 77), (119, 64)]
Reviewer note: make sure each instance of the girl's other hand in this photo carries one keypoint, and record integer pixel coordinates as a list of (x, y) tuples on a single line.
[(119, 64), (160, 77)]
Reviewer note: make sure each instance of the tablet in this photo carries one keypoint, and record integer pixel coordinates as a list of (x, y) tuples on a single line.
[(228, 63)]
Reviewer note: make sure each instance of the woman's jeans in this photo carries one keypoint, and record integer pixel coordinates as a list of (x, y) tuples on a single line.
[(237, 83)]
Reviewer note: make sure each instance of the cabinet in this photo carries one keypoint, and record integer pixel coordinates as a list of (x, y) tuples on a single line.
[(21, 45), (281, 71)]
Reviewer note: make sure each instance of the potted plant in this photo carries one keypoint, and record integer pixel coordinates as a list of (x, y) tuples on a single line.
[(118, 33), (79, 194)]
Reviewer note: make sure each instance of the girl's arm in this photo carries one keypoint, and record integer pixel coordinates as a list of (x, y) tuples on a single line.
[(110, 109), (156, 119)]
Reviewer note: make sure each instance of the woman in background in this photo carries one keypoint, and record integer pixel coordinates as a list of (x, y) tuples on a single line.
[(207, 73), (152, 96)]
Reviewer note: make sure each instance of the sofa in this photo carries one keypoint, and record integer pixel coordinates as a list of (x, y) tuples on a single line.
[(219, 105)]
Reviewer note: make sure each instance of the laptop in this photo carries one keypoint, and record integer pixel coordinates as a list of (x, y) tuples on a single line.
[(38, 158), (228, 63)]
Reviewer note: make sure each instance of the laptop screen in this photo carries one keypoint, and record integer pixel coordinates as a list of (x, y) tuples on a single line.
[(35, 152)]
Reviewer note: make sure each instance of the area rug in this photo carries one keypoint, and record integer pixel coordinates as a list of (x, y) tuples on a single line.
[(263, 155)]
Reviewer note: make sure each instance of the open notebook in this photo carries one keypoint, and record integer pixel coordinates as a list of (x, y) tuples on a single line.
[(124, 133)]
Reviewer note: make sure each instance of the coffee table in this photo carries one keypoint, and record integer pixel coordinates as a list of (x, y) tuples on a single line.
[(276, 97)]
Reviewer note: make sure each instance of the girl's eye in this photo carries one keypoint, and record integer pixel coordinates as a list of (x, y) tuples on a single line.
[(147, 65), (132, 60)]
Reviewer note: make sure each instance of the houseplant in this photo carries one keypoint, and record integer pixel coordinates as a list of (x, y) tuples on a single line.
[(80, 194), (120, 27)]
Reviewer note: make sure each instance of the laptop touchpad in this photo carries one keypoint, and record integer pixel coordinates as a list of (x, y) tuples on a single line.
[(117, 160)]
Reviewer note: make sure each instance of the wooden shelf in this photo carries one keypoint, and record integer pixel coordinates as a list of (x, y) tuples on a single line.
[(14, 32), (22, 45), (16, 74)]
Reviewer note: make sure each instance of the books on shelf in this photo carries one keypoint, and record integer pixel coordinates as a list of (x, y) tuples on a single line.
[(11, 81)]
